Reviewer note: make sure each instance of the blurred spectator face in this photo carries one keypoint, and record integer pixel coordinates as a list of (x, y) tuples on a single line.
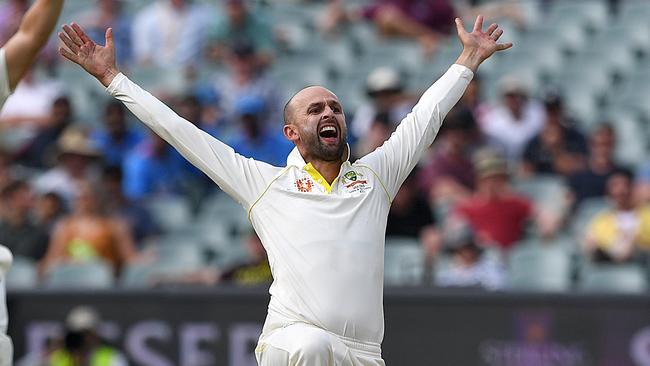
[(602, 143), (243, 65), (467, 255), (236, 10), (493, 185), (515, 102), (472, 93), (20, 199), (190, 109), (86, 200), (619, 189), (114, 120), (61, 111), (112, 183), (49, 207)]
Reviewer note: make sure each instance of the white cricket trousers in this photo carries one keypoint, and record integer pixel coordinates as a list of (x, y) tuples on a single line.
[(6, 350), (301, 344)]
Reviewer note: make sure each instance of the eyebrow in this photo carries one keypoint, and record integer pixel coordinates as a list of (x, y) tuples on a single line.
[(319, 104)]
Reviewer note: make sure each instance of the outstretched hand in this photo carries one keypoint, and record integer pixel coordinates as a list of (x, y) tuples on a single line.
[(478, 45), (99, 61)]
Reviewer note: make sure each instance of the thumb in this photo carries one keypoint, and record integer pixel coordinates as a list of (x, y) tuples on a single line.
[(460, 28), (109, 39)]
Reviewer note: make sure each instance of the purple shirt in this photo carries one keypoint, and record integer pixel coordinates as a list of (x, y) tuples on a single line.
[(435, 14)]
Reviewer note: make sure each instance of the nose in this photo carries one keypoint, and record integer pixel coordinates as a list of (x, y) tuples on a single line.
[(328, 112)]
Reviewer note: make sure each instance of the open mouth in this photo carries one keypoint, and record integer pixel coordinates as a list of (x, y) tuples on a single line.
[(329, 134)]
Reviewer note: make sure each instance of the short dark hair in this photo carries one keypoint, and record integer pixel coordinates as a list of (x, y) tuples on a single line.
[(10, 189)]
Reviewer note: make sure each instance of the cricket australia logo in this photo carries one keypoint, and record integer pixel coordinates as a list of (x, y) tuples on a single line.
[(304, 184), (355, 183)]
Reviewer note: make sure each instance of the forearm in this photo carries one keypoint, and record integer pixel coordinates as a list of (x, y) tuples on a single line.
[(33, 33), (470, 59)]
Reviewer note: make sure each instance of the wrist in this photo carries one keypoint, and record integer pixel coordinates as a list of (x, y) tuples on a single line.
[(470, 58), (108, 76)]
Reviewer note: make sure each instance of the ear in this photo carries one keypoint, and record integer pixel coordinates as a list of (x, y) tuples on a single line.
[(291, 133)]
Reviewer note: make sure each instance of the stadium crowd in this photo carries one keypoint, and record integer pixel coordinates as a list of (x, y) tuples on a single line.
[(513, 175)]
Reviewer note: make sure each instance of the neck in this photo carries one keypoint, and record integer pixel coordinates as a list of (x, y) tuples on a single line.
[(328, 169)]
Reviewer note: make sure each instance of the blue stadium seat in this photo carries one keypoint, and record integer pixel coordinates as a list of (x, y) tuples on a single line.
[(170, 213), (94, 274), (23, 274), (403, 262), (616, 278), (534, 266)]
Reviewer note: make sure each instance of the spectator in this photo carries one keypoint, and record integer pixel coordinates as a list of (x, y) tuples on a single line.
[(255, 270), (18, 231), (494, 212), (247, 78), (241, 23), (449, 175), (511, 124), (592, 180), (140, 222), (29, 107), (191, 108), (473, 101), (170, 33), (39, 151), (75, 164), (424, 20), (116, 139), (559, 148), (256, 140), (153, 168), (385, 88), (49, 209), (622, 232), (108, 14), (89, 233), (412, 217), (379, 131), (81, 343), (469, 265)]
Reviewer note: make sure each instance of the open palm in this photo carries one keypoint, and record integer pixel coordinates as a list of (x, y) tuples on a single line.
[(97, 60), (483, 43)]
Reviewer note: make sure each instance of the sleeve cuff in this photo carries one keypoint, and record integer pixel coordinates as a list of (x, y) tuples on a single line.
[(463, 71), (112, 87)]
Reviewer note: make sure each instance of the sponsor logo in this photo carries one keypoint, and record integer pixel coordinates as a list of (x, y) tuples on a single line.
[(304, 184)]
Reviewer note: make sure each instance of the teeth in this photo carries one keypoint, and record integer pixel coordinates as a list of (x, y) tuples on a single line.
[(328, 128)]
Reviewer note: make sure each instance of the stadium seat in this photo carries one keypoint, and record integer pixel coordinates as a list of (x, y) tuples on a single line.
[(170, 213), (403, 262), (95, 274), (23, 274), (537, 267), (585, 212), (619, 278), (539, 188), (185, 257), (136, 275)]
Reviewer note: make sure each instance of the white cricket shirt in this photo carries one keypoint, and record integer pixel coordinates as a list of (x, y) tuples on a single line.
[(325, 243), (5, 89), (5, 254)]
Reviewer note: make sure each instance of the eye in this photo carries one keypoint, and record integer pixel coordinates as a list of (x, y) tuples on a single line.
[(336, 108)]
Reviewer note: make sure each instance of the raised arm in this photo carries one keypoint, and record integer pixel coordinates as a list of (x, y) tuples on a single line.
[(35, 28), (394, 160), (243, 179)]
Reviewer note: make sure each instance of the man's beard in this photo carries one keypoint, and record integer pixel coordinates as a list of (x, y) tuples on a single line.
[(320, 151)]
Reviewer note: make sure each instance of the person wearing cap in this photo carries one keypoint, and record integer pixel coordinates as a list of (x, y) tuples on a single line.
[(497, 215), (385, 88), (468, 265), (82, 345), (321, 218), (513, 122), (76, 154)]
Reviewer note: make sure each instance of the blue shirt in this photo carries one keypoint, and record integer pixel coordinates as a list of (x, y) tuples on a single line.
[(115, 151), (270, 148), (146, 174)]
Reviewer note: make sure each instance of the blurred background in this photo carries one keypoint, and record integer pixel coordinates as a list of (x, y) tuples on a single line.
[(521, 238)]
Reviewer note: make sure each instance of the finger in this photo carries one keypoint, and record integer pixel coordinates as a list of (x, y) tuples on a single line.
[(73, 35), (478, 25), (459, 26), (110, 43), (69, 55), (503, 46), (80, 32), (495, 36), (491, 29), (66, 40)]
